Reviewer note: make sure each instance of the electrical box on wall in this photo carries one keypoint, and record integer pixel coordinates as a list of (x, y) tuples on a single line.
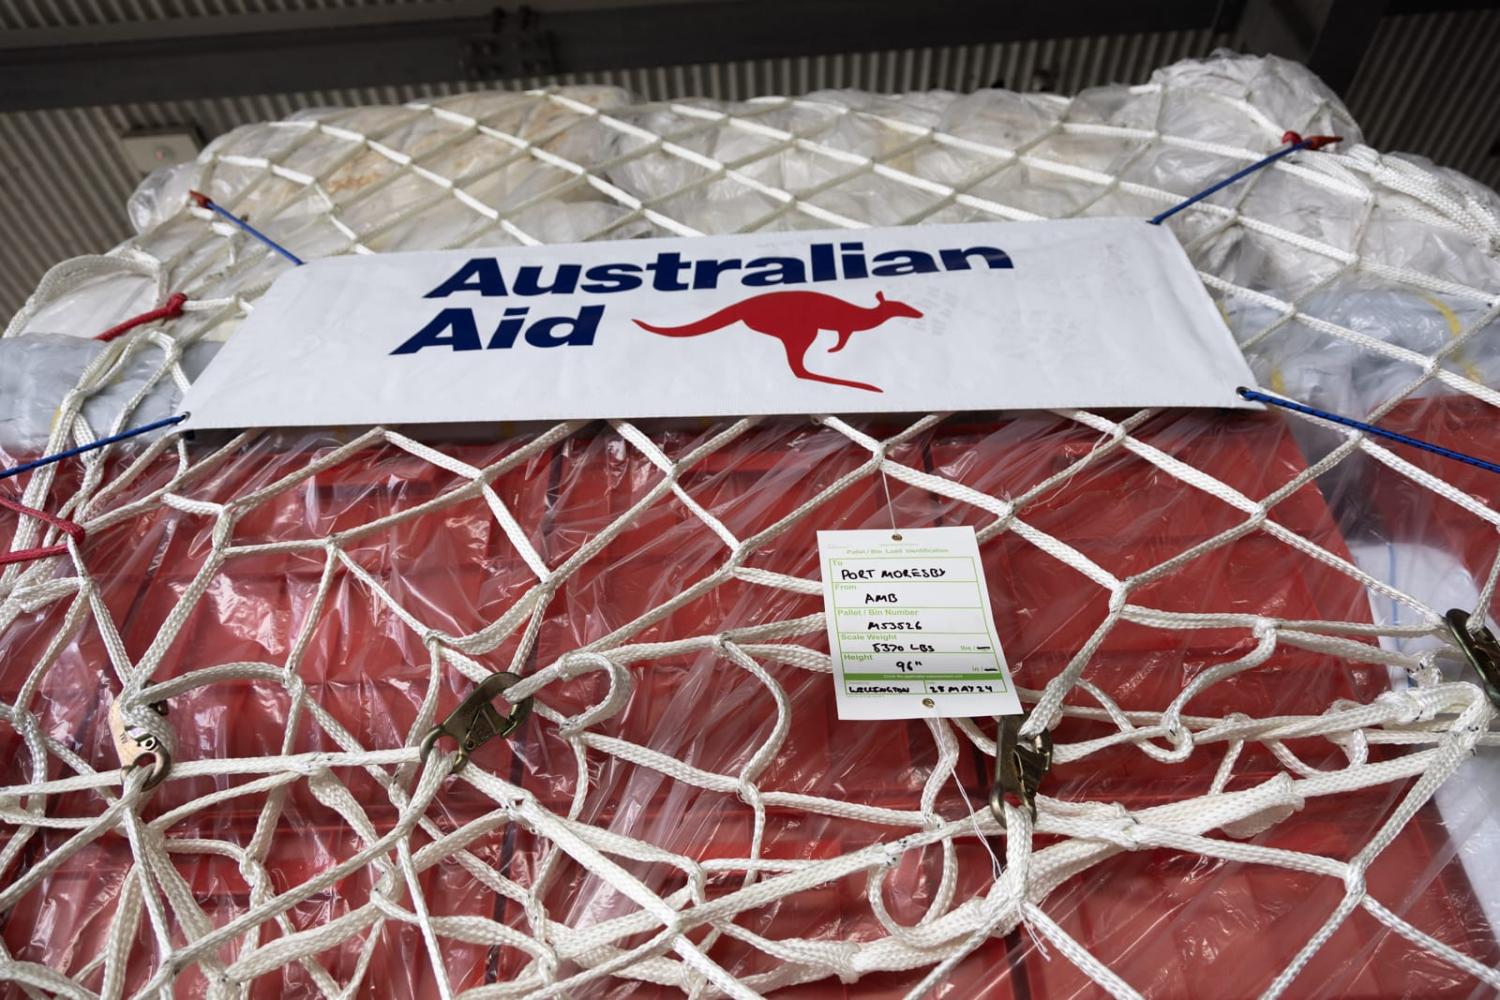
[(147, 149)]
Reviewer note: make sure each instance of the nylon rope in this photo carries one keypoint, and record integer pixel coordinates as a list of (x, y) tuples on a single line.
[(666, 938)]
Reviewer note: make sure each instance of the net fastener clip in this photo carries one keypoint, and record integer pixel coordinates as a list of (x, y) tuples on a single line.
[(1021, 765), (475, 721), (138, 748), (1480, 648)]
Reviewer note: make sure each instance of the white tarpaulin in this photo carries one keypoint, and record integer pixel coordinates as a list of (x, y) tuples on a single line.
[(1076, 313)]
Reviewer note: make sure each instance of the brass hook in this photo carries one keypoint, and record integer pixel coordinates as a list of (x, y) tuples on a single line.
[(475, 721), (1019, 766), (136, 747), (1481, 650)]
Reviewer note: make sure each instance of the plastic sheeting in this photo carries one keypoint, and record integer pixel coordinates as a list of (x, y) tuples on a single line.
[(37, 371), (1168, 927), (1170, 923)]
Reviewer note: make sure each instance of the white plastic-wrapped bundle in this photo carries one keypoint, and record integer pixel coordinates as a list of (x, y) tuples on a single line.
[(1207, 611)]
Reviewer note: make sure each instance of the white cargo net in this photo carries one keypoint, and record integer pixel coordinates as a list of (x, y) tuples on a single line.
[(1285, 253)]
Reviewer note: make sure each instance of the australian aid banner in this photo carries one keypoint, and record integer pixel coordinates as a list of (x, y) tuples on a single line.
[(1077, 313)]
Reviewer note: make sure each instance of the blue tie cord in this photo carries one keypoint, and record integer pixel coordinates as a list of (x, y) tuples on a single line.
[(102, 442), (1371, 429), (204, 201), (1294, 143)]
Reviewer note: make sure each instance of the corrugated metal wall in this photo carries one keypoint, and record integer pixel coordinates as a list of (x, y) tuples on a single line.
[(19, 15), (1428, 85)]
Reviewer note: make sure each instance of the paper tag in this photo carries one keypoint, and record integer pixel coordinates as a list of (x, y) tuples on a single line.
[(910, 626)]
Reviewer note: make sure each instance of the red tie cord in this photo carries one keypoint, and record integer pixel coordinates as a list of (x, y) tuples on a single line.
[(1312, 141), (69, 528), (171, 310)]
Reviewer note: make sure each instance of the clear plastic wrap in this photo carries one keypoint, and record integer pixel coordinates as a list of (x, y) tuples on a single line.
[(1172, 573), (39, 370)]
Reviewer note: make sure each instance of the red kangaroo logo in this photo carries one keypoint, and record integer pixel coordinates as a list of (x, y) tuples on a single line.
[(794, 318)]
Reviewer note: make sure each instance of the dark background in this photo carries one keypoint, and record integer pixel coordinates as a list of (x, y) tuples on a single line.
[(75, 75)]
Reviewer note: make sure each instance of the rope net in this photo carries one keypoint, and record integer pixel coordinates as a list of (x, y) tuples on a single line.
[(1231, 624)]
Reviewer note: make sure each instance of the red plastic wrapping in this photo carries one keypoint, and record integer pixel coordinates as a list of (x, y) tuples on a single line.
[(1169, 922), (1408, 512)]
